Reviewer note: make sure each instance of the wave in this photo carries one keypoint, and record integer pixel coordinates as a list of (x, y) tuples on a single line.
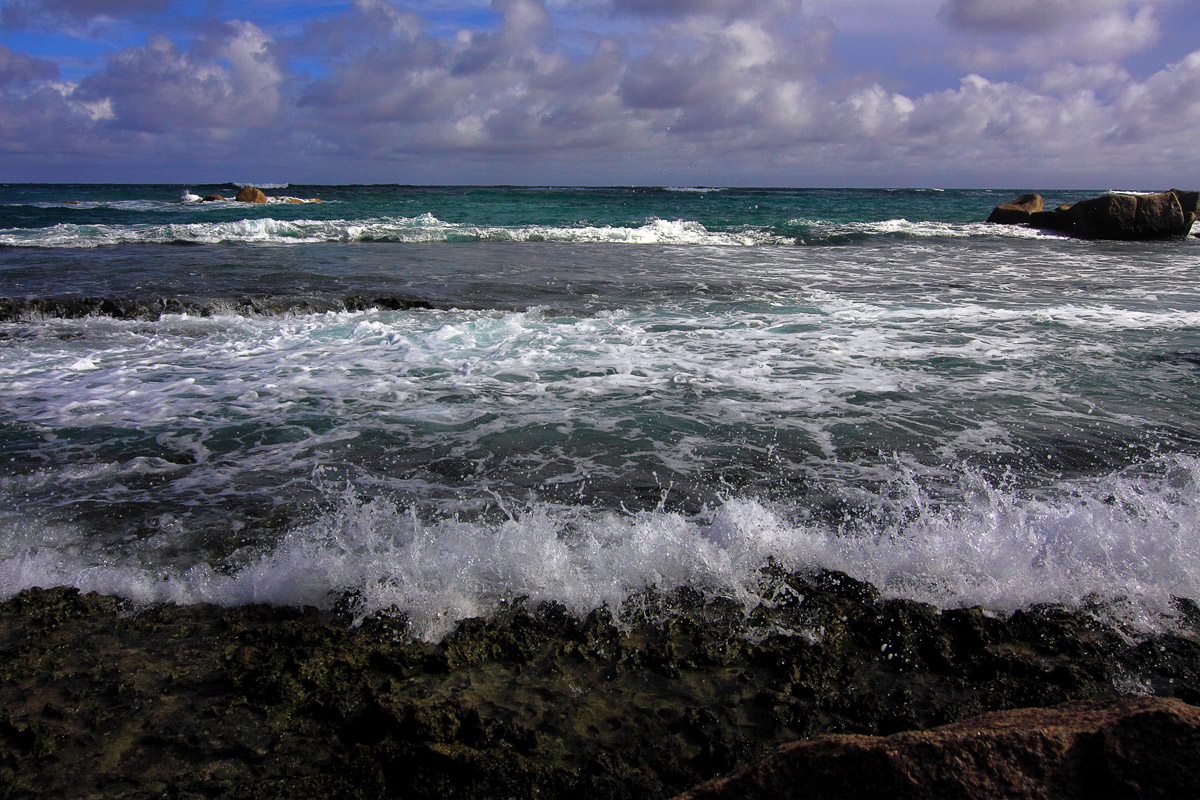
[(422, 228), (426, 228), (1128, 542), (822, 232), (241, 185)]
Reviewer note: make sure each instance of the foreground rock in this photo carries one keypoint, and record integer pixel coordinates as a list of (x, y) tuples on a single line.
[(1145, 747), (99, 698), (249, 194), (1114, 216)]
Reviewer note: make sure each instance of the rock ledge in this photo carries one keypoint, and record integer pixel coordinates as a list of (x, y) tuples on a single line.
[(1143, 747)]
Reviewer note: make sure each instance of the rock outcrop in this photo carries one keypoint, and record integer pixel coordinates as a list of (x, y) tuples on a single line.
[(1018, 211), (211, 198), (1145, 747), (250, 194), (1168, 215)]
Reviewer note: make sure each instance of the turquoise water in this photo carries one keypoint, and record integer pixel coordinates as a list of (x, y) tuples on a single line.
[(441, 397)]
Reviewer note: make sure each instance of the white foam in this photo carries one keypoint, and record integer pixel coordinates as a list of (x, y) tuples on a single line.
[(422, 228), (1132, 537), (922, 229)]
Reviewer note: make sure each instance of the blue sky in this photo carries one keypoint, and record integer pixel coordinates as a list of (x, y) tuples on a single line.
[(1011, 93)]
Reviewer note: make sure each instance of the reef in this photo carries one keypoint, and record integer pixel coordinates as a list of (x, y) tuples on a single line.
[(102, 697), (152, 309)]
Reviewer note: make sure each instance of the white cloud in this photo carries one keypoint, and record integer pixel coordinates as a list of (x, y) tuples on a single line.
[(1038, 34), (230, 79), (724, 91)]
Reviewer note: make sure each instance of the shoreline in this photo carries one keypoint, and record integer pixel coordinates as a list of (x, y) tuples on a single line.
[(101, 697)]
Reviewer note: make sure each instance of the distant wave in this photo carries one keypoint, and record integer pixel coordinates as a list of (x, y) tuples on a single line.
[(241, 185), (422, 228), (428, 228), (822, 232)]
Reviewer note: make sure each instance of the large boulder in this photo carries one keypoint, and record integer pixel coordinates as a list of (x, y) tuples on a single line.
[(1018, 211), (1112, 216), (250, 194), (1144, 747)]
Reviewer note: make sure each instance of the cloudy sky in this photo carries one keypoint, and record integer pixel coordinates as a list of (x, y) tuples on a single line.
[(1005, 93)]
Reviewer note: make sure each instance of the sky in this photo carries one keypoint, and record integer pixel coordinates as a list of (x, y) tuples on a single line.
[(941, 93)]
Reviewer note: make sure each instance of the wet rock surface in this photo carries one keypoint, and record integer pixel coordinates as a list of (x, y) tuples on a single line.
[(103, 698)]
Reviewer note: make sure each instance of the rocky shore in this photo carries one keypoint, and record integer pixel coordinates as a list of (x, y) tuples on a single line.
[(102, 698)]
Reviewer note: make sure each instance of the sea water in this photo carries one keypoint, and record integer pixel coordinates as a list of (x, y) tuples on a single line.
[(440, 399)]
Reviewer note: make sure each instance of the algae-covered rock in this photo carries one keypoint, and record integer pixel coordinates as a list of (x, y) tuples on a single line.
[(101, 698)]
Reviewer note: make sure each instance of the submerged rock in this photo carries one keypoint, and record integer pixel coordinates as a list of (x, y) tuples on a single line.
[(1168, 215), (212, 198), (1144, 747)]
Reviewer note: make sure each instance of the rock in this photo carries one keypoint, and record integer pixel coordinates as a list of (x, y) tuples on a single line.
[(1168, 215), (249, 194), (1016, 212), (1189, 202), (211, 198), (1144, 747)]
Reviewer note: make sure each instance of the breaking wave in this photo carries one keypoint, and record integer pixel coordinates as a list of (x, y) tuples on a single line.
[(1130, 540)]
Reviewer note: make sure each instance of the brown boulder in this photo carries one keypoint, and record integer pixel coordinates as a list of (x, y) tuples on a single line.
[(1143, 747), (249, 194), (1017, 211), (211, 198)]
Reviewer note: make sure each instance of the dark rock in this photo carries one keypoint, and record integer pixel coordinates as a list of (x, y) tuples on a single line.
[(99, 698), (1016, 212), (1145, 747), (250, 194), (210, 198), (1168, 215), (152, 309), (1189, 201)]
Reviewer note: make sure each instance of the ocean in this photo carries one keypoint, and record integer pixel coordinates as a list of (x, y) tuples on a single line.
[(439, 400)]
